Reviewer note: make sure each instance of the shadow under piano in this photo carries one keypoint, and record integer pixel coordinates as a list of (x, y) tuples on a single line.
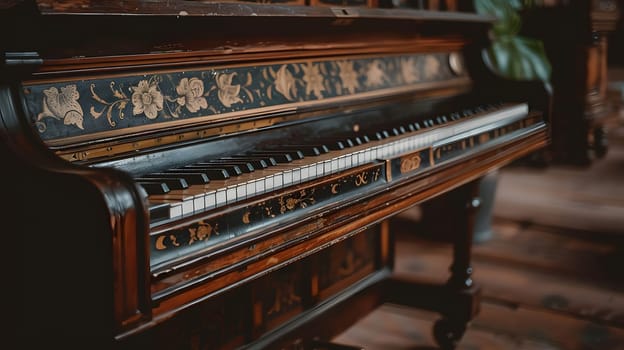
[(199, 175)]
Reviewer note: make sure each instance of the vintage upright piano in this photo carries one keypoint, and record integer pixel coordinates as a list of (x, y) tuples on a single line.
[(206, 175)]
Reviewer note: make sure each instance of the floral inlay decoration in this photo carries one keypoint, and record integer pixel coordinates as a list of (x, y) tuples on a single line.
[(57, 109)]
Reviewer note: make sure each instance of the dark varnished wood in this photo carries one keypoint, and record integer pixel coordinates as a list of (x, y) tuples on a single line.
[(578, 50), (290, 281)]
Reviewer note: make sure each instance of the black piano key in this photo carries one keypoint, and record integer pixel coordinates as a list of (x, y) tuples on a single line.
[(479, 109), (173, 183), (394, 132), (377, 136), (267, 159), (335, 145), (357, 140), (317, 147), (212, 173), (491, 106), (402, 129), (364, 138), (279, 157), (245, 167), (385, 134), (232, 170), (306, 150), (258, 163), (296, 154), (154, 187), (310, 151), (349, 143), (192, 178)]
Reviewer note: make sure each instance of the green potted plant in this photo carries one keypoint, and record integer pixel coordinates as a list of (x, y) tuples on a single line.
[(511, 56)]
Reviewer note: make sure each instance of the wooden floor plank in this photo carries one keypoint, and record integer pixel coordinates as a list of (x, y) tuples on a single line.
[(590, 199), (496, 327), (522, 287), (554, 252), (560, 331)]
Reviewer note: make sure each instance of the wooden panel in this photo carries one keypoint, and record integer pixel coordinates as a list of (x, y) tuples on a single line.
[(347, 262), (279, 296)]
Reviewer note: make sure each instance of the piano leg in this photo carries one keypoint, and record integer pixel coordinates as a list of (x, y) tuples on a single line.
[(458, 299), (464, 204)]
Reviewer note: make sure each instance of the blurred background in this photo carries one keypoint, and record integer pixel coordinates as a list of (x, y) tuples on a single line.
[(549, 245)]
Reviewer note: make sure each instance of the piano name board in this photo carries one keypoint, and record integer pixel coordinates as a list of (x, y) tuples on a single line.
[(76, 110)]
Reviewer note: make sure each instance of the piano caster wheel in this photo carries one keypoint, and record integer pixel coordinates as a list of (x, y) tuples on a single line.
[(448, 333)]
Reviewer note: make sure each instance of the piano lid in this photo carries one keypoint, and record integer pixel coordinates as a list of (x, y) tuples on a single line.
[(106, 35)]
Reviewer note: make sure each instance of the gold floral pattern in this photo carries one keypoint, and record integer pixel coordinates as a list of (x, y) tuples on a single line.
[(228, 93), (62, 105), (375, 75), (120, 102), (302, 200), (285, 83), (202, 232), (409, 70), (191, 93), (313, 80), (146, 99), (158, 97), (432, 66), (348, 76)]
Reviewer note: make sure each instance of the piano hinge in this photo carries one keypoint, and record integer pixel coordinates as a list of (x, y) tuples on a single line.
[(20, 63)]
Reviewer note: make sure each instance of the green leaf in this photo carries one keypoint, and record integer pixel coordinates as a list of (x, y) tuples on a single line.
[(519, 58), (508, 21)]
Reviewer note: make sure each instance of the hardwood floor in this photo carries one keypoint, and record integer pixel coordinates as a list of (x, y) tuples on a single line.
[(552, 274)]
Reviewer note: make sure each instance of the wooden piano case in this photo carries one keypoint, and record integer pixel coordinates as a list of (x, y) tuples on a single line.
[(97, 98)]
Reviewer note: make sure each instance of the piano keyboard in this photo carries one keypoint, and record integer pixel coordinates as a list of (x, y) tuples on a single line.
[(210, 184)]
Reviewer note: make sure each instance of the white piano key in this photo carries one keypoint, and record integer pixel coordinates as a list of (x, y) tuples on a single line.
[(305, 173), (221, 197), (312, 171), (296, 175), (251, 188), (175, 210), (334, 165), (199, 202), (187, 207), (278, 180), (342, 163), (230, 194), (260, 185), (327, 169), (241, 191), (269, 183), (210, 200), (287, 178), (320, 169)]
